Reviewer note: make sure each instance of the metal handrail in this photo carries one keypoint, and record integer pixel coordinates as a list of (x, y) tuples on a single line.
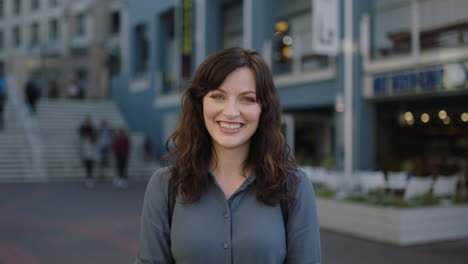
[(31, 128)]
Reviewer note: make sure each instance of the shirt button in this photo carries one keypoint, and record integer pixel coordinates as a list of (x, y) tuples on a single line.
[(226, 215), (225, 246)]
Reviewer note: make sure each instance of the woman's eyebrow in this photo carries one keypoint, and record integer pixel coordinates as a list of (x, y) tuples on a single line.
[(243, 93)]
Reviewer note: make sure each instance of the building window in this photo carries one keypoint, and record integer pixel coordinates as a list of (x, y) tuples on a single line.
[(231, 25), (141, 49), (35, 5), (169, 56), (80, 27), (1, 40), (53, 3), (114, 62), (16, 7), (443, 23), (16, 36), (34, 34), (114, 23), (54, 31), (2, 7), (391, 24)]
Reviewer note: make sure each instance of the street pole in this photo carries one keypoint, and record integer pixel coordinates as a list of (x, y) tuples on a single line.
[(348, 49)]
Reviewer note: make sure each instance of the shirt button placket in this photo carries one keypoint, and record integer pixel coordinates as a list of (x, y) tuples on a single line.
[(225, 246)]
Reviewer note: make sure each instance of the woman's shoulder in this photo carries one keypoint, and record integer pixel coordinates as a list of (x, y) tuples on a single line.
[(161, 176), (302, 183), (157, 187)]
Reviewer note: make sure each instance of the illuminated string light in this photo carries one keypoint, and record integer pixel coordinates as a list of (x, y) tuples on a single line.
[(425, 118), (442, 114), (464, 117), (446, 120), (408, 116)]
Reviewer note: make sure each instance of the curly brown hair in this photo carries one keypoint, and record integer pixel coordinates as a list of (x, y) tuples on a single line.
[(191, 144)]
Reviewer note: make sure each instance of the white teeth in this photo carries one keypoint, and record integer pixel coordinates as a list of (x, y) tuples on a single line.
[(229, 126)]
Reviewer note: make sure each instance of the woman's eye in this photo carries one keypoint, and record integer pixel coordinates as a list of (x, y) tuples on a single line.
[(217, 96), (249, 99)]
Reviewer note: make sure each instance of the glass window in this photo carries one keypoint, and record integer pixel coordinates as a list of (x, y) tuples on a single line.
[(34, 34), (1, 40), (80, 26), (114, 23), (141, 49), (443, 23), (17, 7), (54, 31), (231, 21), (53, 3), (2, 7), (391, 28), (35, 4), (16, 36), (169, 71)]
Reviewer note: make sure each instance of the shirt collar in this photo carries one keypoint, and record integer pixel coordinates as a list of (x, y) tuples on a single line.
[(252, 177)]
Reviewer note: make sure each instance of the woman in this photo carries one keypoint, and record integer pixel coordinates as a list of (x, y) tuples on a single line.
[(231, 170)]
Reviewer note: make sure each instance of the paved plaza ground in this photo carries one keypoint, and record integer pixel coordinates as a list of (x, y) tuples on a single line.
[(63, 222)]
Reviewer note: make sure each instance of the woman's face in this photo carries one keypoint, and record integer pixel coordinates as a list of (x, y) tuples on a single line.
[(232, 111)]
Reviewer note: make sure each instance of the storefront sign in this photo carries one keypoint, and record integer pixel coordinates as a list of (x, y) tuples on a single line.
[(419, 81)]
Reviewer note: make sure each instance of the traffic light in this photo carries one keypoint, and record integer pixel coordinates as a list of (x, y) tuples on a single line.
[(283, 43)]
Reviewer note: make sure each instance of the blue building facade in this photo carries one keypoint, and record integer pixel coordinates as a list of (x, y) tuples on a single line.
[(385, 67), (168, 39)]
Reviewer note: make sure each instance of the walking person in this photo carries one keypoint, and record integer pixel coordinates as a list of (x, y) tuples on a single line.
[(89, 156), (234, 193), (121, 148), (32, 94), (2, 101), (104, 143), (86, 128)]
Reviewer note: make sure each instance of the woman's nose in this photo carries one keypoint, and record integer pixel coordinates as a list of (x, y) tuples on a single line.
[(231, 109)]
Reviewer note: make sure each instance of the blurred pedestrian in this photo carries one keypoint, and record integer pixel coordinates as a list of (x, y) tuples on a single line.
[(89, 156), (72, 90), (104, 143), (2, 101), (32, 94), (121, 148), (87, 128)]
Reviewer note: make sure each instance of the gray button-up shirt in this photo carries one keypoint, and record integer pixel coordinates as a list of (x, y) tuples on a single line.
[(238, 230)]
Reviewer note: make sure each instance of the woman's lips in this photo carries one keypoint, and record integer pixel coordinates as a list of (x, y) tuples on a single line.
[(230, 127)]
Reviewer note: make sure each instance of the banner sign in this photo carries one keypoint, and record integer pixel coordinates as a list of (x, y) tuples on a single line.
[(325, 27)]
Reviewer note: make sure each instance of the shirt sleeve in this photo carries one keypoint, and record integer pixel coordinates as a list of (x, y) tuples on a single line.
[(303, 231), (154, 243)]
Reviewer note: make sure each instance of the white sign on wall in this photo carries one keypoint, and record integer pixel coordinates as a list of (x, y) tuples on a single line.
[(325, 27)]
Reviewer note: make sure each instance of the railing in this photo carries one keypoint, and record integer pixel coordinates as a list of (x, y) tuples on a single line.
[(410, 27), (31, 129)]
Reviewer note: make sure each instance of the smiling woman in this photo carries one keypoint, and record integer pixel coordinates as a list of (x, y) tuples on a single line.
[(232, 112), (240, 197)]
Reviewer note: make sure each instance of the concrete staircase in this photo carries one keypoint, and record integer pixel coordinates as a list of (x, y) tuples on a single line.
[(55, 130), (15, 155), (58, 122)]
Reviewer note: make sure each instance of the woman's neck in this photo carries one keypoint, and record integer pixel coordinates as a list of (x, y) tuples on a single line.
[(229, 163)]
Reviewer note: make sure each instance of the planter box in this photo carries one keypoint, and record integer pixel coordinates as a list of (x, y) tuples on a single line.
[(403, 227)]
